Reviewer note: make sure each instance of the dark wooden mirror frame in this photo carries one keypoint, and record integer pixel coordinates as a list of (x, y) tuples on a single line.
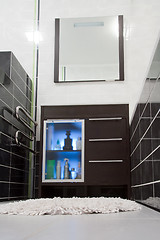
[(56, 53)]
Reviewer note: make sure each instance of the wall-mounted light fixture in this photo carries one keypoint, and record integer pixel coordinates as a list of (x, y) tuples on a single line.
[(35, 37)]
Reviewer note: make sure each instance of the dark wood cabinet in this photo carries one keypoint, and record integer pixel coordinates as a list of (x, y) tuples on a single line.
[(106, 158), (106, 128)]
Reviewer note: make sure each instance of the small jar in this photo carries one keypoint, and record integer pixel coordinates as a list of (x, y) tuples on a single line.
[(73, 173)]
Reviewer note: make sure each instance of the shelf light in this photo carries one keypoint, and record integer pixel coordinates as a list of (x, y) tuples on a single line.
[(89, 24)]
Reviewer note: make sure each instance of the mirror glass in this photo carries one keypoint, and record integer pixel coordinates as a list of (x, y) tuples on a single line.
[(88, 49)]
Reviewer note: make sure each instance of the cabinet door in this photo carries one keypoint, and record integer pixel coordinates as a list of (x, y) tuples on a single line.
[(106, 128), (106, 173), (63, 151), (106, 151)]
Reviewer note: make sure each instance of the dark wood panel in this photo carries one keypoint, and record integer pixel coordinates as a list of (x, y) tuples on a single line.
[(106, 173), (106, 150), (106, 129), (84, 111)]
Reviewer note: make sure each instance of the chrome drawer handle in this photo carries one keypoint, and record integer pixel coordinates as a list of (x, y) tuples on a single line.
[(104, 139), (104, 119), (105, 161)]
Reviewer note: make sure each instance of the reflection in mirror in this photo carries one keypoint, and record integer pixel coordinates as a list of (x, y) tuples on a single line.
[(145, 140), (154, 71), (149, 94), (89, 49)]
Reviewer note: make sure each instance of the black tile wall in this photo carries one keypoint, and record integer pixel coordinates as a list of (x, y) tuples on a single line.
[(28, 93), (19, 162), (157, 190), (146, 149), (135, 158), (146, 173), (4, 190), (15, 90), (137, 193), (135, 121), (147, 192), (5, 127), (136, 177), (18, 176), (18, 191), (5, 60), (4, 173), (37, 175), (5, 142), (18, 81), (154, 108), (155, 127), (144, 109), (145, 145), (18, 67), (156, 170), (143, 126), (135, 140), (6, 96), (5, 157)]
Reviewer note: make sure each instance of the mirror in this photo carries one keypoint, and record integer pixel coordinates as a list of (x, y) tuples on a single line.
[(89, 49)]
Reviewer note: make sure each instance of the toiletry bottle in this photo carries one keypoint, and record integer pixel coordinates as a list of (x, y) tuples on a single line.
[(58, 169), (73, 173), (68, 142), (79, 171), (50, 169), (78, 144), (66, 169), (58, 146)]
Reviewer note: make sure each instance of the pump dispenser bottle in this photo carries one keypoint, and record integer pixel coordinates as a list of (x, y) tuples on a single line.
[(66, 169)]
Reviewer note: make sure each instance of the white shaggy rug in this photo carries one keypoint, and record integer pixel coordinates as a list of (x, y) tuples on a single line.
[(153, 202), (71, 206)]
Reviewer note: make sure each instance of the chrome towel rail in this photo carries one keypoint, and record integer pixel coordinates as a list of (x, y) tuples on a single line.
[(16, 115), (18, 109), (21, 144), (24, 134), (20, 118), (26, 125)]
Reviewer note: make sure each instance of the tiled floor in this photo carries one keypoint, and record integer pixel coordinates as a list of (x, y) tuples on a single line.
[(139, 225)]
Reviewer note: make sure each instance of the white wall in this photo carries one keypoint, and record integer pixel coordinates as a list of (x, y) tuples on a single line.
[(17, 19), (141, 19)]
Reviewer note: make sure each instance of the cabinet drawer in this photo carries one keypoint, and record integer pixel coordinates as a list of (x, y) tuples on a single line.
[(106, 128), (106, 150), (106, 173)]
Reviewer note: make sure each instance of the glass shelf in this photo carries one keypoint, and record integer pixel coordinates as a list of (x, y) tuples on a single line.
[(63, 151)]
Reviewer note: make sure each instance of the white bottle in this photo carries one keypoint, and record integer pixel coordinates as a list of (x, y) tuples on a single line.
[(58, 169), (78, 144)]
